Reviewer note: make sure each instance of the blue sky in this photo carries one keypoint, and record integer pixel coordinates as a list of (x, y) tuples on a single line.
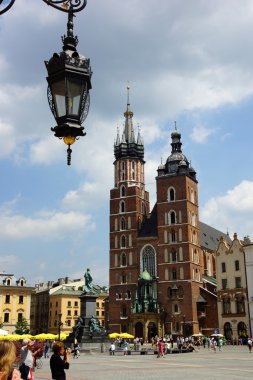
[(185, 61)]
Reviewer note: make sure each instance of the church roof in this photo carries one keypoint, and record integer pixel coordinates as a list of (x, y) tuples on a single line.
[(210, 237), (149, 225)]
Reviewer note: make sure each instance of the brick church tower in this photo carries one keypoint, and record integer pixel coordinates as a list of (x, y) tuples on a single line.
[(156, 262)]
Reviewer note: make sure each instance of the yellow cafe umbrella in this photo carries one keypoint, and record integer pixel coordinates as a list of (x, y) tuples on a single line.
[(114, 335), (126, 336)]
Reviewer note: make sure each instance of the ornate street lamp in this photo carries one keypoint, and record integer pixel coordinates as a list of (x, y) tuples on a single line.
[(69, 78), (69, 82)]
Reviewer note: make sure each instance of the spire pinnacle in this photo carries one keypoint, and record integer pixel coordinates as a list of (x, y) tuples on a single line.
[(175, 123)]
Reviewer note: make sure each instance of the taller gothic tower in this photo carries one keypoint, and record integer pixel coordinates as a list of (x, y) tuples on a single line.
[(129, 206)]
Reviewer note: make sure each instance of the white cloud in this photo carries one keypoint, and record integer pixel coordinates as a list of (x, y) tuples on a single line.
[(200, 134), (7, 139), (232, 210), (47, 151), (47, 225), (88, 195)]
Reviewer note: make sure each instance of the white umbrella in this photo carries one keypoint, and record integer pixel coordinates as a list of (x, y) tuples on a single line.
[(3, 332), (217, 335), (197, 335)]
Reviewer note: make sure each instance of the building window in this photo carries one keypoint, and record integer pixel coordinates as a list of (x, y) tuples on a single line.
[(68, 322), (75, 313), (122, 224), (69, 313), (122, 206), (226, 306), (175, 308), (171, 195), (172, 217), (238, 283), (21, 299), (148, 260), (223, 267), (240, 305), (237, 265), (122, 191), (97, 304), (123, 260), (173, 256), (7, 298), (173, 236), (224, 283), (97, 312), (20, 317), (124, 311), (8, 282), (123, 278), (69, 303), (128, 294), (56, 304), (174, 274), (122, 171), (21, 282), (123, 241), (76, 303), (6, 317), (133, 170)]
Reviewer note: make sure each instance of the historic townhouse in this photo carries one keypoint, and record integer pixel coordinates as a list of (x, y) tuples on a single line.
[(232, 290)]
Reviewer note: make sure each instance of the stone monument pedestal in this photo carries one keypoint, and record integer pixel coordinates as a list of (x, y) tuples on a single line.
[(83, 332)]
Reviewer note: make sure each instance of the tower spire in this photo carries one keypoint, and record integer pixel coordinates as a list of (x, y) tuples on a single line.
[(129, 131)]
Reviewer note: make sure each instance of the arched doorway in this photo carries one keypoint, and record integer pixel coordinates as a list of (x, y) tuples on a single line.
[(228, 331), (242, 330), (152, 330), (139, 330)]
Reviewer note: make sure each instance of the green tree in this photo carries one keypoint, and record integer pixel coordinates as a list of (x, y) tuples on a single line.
[(22, 327)]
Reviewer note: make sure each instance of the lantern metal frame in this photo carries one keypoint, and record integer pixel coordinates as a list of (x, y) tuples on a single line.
[(61, 5)]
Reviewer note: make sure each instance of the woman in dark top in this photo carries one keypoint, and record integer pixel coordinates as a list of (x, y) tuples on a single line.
[(57, 364)]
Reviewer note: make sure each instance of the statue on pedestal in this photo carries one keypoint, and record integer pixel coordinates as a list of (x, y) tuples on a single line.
[(87, 281), (78, 325), (94, 325)]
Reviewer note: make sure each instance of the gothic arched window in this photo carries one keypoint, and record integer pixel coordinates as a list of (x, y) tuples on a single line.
[(148, 260), (122, 206), (171, 194), (122, 191), (122, 224), (123, 241), (123, 260), (172, 217)]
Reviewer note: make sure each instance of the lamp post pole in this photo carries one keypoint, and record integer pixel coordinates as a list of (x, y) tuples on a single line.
[(59, 326)]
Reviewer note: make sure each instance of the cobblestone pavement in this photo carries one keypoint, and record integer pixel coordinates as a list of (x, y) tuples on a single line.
[(232, 363)]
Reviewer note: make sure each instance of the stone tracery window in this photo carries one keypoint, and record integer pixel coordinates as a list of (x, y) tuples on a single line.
[(148, 260)]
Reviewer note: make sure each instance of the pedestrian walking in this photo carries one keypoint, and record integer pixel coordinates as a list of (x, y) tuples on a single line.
[(112, 349), (250, 344), (27, 357), (46, 349)]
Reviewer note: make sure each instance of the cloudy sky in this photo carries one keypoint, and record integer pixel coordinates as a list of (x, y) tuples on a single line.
[(189, 61)]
